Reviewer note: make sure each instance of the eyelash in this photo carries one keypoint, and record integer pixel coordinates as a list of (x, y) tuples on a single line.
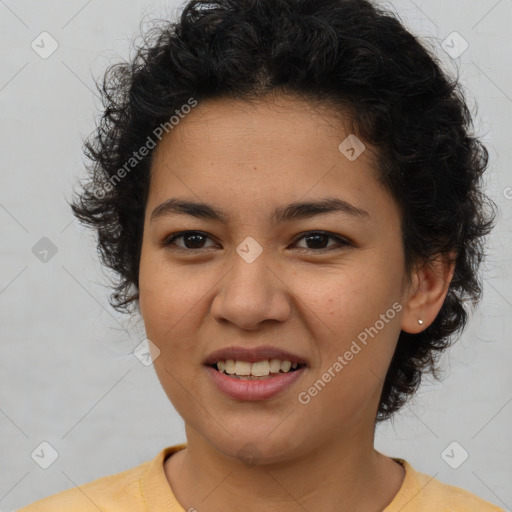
[(341, 241)]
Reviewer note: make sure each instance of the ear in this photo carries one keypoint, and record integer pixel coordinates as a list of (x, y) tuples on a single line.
[(430, 282)]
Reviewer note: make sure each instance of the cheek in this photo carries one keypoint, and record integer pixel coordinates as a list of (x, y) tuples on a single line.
[(349, 301), (173, 307), (361, 315), (166, 295)]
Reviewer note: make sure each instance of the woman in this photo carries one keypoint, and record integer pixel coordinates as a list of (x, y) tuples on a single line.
[(291, 198)]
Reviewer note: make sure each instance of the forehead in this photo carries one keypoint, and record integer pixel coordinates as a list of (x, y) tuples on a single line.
[(262, 153), (275, 131), (229, 120)]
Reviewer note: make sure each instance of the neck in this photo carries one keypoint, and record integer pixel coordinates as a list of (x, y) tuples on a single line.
[(345, 473)]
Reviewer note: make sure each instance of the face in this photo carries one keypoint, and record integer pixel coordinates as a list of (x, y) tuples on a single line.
[(324, 286)]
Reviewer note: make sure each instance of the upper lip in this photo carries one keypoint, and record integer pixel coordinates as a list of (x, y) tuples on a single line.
[(253, 355)]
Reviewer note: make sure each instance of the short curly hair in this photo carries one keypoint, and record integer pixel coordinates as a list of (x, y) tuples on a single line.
[(349, 54)]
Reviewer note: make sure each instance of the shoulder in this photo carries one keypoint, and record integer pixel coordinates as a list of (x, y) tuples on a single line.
[(456, 498), (422, 492), (119, 492)]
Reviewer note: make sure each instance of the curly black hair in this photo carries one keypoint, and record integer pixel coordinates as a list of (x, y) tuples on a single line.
[(349, 54)]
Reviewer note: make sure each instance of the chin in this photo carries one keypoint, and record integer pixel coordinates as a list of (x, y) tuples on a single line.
[(258, 449)]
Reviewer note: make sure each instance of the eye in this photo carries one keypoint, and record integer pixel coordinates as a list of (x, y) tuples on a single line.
[(191, 239), (318, 239), (196, 240)]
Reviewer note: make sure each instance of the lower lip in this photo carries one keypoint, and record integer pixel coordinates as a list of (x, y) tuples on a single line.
[(257, 389)]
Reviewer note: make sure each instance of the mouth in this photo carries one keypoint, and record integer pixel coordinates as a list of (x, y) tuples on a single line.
[(260, 370), (254, 373)]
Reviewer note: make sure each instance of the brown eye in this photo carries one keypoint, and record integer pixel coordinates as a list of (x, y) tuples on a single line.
[(318, 240), (191, 240), (315, 241)]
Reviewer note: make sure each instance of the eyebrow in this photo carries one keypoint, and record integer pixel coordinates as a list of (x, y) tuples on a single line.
[(292, 211)]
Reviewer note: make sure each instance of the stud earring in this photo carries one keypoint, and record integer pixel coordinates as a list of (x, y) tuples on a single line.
[(420, 322)]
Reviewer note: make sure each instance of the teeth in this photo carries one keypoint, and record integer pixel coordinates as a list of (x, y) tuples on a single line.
[(275, 365), (230, 366), (285, 366), (258, 369), (242, 368)]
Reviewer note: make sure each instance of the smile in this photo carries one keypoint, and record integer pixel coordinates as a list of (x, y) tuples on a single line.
[(259, 369), (254, 387)]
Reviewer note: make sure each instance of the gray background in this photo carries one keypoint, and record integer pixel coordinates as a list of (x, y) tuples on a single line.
[(68, 376)]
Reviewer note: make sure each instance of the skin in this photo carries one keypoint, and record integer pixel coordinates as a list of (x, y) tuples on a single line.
[(247, 159)]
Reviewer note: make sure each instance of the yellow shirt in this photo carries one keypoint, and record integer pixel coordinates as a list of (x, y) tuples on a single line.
[(145, 489)]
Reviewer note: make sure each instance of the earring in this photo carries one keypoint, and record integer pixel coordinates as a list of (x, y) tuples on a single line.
[(420, 322)]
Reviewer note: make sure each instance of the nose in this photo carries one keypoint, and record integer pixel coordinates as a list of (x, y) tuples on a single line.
[(251, 293)]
